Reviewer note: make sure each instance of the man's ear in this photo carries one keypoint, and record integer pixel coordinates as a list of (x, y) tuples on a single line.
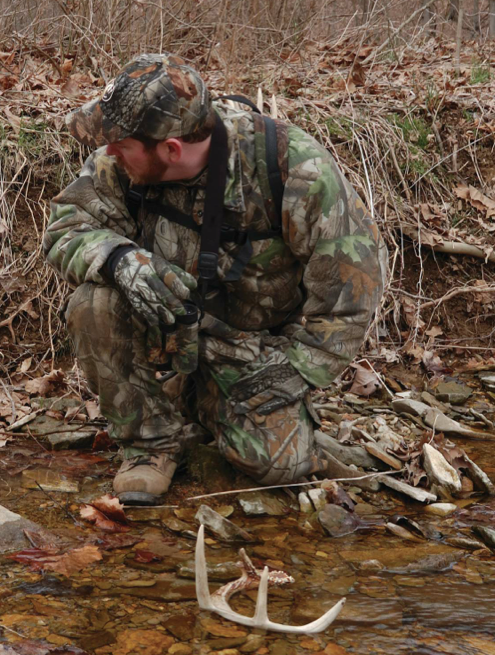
[(170, 150)]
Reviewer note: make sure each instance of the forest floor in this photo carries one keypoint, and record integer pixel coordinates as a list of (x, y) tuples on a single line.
[(415, 136)]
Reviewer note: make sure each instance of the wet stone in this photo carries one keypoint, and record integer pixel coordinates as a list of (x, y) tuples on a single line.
[(97, 640), (337, 521), (74, 439), (12, 528), (441, 509), (181, 625), (48, 480), (226, 642), (281, 647), (222, 528), (452, 392), (180, 649), (262, 502), (253, 642)]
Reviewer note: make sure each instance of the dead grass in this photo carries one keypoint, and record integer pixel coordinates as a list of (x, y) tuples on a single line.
[(406, 128)]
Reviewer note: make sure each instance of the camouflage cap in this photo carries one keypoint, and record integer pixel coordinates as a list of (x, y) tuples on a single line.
[(158, 96)]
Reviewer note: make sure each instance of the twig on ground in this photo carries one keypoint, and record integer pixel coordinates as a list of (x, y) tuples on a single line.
[(369, 476)]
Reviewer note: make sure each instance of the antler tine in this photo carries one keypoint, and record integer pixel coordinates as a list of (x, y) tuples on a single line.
[(218, 602), (202, 589), (261, 614)]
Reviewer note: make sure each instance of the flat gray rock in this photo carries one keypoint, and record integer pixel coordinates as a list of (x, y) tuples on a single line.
[(413, 492), (12, 528), (409, 406), (337, 521), (72, 439), (452, 392), (356, 455), (221, 527)]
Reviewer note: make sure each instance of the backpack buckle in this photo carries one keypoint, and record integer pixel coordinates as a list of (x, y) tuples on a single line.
[(207, 265)]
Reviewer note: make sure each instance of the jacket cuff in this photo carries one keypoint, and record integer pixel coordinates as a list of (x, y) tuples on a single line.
[(108, 268)]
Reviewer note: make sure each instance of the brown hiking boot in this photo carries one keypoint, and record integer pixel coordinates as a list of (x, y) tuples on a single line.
[(142, 480)]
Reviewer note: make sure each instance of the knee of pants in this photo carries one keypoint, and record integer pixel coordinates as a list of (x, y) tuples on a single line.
[(90, 300)]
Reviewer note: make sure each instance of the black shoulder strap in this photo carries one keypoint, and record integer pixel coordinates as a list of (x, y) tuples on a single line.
[(242, 99), (273, 169), (213, 211)]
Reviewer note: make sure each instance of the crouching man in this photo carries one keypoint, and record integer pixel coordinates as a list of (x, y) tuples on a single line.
[(223, 249)]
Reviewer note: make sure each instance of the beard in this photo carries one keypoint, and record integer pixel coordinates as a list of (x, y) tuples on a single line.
[(150, 173)]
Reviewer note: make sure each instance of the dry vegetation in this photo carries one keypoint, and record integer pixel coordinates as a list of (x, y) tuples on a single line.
[(409, 116)]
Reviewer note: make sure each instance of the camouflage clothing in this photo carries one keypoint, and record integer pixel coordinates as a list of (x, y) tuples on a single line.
[(244, 391), (294, 315)]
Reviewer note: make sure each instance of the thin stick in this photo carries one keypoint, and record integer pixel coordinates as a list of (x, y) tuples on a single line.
[(294, 484), (64, 509), (395, 32)]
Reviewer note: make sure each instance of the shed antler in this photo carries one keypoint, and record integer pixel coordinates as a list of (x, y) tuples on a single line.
[(251, 577)]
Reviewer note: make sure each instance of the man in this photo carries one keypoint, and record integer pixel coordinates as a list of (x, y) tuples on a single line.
[(286, 295)]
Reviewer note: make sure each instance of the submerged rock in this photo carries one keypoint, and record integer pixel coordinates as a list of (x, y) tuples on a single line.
[(441, 509), (337, 521), (262, 502), (479, 478), (12, 528), (223, 528), (487, 535), (48, 480), (439, 471)]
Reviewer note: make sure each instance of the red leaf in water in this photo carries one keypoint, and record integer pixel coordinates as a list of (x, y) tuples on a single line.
[(111, 541), (50, 559), (146, 556), (106, 513)]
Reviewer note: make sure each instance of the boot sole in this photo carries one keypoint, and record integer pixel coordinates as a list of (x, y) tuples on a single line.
[(139, 498)]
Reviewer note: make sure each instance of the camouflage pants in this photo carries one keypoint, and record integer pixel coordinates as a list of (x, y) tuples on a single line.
[(244, 392)]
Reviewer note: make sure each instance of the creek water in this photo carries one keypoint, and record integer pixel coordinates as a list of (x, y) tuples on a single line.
[(423, 595)]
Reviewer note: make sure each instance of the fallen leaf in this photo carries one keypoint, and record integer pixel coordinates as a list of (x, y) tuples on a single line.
[(434, 364), (434, 331), (51, 559), (365, 381), (106, 513), (46, 384), (146, 556), (93, 409)]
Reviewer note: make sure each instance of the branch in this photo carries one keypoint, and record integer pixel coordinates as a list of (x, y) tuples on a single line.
[(395, 32)]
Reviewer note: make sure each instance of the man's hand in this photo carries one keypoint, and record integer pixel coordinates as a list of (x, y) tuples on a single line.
[(154, 287)]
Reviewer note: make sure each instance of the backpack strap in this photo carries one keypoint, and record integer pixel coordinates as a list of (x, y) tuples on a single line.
[(271, 143)]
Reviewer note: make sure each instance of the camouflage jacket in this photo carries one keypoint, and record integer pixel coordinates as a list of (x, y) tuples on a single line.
[(318, 283)]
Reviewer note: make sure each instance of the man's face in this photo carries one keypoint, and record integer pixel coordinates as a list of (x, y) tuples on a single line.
[(142, 165)]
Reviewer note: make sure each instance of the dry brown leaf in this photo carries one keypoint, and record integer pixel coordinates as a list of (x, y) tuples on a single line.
[(50, 559), (476, 198), (93, 409), (106, 513), (365, 382), (434, 331), (434, 364)]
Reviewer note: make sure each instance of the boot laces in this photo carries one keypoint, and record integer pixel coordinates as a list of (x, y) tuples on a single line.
[(142, 460)]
